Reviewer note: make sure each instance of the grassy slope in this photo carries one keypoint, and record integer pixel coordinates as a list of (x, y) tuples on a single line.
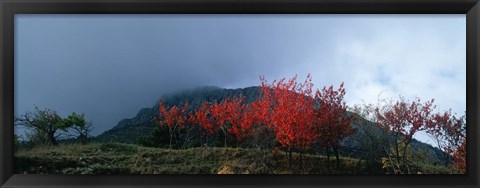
[(109, 158)]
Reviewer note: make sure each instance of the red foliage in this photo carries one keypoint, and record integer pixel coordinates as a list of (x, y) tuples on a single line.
[(460, 157), (331, 119), (249, 118), (287, 106), (297, 117), (173, 116), (406, 118), (228, 111), (448, 131), (419, 116), (202, 117), (230, 114)]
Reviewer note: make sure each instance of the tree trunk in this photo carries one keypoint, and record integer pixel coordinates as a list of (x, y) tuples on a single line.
[(390, 160), (397, 150), (447, 159), (337, 157), (51, 137), (184, 146), (290, 158), (405, 157), (225, 139), (302, 161), (83, 139), (205, 140), (170, 145), (328, 158)]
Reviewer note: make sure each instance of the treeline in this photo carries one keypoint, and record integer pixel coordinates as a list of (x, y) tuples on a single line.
[(291, 116), (46, 127)]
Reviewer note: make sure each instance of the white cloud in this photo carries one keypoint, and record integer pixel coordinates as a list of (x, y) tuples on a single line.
[(398, 59)]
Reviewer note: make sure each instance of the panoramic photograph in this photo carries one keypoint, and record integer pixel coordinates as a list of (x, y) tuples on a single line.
[(240, 94)]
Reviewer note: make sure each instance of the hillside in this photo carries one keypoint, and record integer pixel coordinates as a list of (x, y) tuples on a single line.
[(114, 158), (132, 130)]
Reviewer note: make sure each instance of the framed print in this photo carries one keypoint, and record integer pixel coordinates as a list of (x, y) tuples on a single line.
[(224, 93)]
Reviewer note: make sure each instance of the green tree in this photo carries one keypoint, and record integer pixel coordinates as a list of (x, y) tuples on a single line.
[(45, 122), (17, 144), (80, 127)]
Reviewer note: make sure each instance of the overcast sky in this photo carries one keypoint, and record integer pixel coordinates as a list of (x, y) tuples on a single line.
[(110, 66)]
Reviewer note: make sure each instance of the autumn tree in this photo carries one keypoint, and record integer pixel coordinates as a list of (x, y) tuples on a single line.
[(227, 116), (262, 111), (460, 157), (403, 119), (203, 117), (247, 120), (253, 127), (448, 132), (231, 116), (242, 118), (173, 118), (289, 111), (331, 119)]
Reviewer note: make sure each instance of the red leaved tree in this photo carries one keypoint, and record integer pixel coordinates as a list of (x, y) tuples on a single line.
[(228, 116), (258, 117), (403, 119), (448, 133), (331, 119), (288, 109), (248, 117), (460, 157), (203, 117), (173, 118)]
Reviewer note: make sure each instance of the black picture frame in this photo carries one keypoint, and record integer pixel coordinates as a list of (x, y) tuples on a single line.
[(9, 8)]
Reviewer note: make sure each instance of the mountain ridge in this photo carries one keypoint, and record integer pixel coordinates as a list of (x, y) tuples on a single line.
[(142, 122)]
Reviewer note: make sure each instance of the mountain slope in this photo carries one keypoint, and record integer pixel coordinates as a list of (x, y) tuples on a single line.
[(132, 130)]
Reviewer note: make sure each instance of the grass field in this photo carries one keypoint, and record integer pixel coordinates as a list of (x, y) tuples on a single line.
[(115, 158)]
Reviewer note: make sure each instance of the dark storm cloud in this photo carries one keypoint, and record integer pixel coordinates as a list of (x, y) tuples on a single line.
[(110, 66)]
